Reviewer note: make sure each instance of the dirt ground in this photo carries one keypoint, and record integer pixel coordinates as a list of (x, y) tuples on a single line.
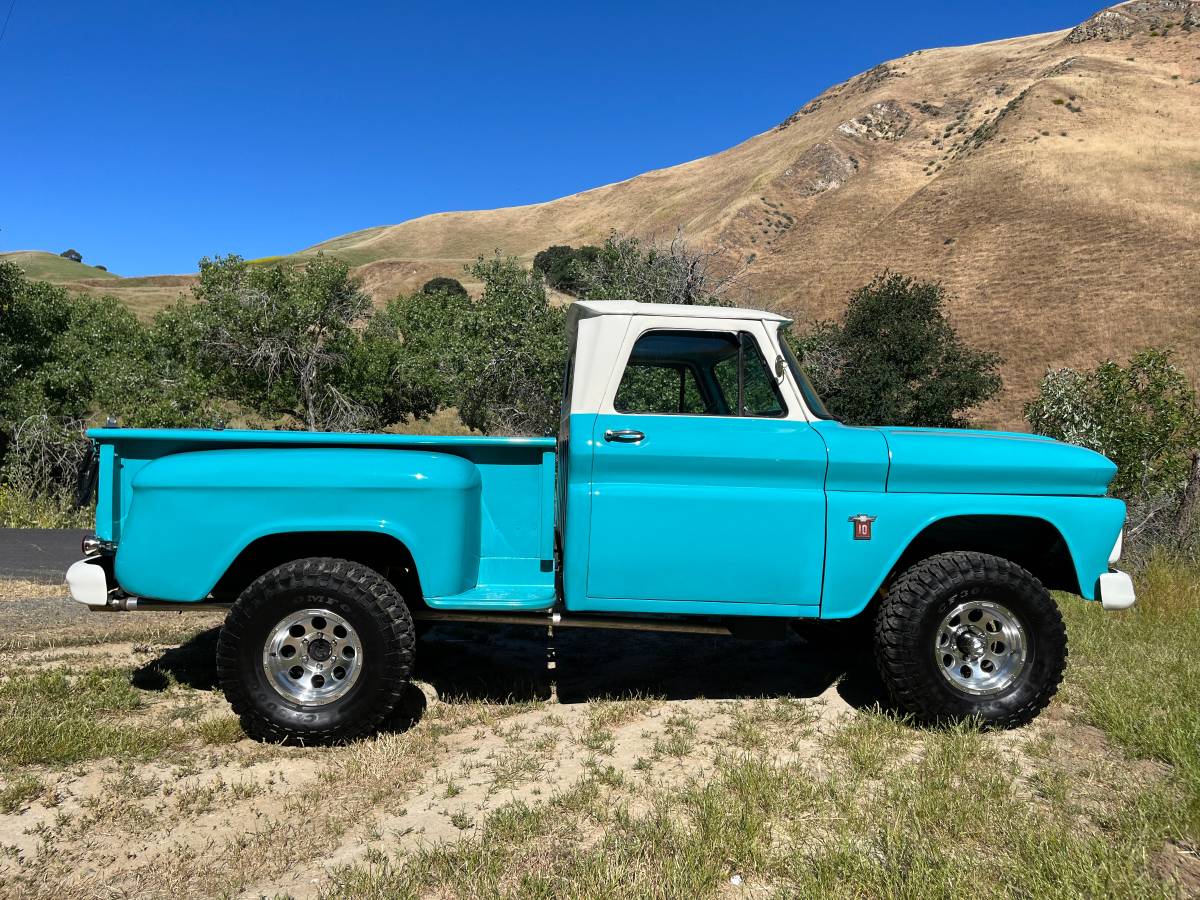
[(480, 730), (192, 807)]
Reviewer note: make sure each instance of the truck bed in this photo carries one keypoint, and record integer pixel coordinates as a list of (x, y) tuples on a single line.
[(181, 506)]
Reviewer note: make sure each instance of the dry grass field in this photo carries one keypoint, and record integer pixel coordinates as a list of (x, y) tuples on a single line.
[(1050, 182), (668, 766)]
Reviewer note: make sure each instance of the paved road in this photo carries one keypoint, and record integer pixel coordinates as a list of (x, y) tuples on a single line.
[(38, 554)]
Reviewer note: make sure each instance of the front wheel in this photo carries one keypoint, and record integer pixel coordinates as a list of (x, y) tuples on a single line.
[(968, 635), (315, 651)]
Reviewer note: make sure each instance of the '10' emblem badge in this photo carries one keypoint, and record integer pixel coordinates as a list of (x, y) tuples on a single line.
[(862, 526)]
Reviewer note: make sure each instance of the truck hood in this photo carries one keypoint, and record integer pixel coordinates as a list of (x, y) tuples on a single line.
[(963, 461)]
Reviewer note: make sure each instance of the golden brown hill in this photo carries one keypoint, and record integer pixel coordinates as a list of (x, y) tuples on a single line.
[(1050, 181)]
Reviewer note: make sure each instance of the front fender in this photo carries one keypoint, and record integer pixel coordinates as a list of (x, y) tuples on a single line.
[(856, 570), (192, 513)]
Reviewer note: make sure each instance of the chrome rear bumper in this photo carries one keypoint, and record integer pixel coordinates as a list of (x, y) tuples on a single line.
[(88, 583)]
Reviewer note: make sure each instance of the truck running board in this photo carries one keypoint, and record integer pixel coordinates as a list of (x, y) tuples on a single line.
[(758, 629), (577, 620)]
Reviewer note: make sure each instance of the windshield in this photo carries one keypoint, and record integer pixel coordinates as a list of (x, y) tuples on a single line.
[(815, 406)]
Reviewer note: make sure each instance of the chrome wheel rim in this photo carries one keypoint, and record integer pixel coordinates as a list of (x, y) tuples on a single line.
[(312, 657), (980, 647)]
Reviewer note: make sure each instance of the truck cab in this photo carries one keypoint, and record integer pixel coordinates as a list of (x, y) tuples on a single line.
[(688, 450), (696, 483)]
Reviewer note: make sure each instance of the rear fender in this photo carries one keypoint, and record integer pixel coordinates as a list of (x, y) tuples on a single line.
[(192, 514)]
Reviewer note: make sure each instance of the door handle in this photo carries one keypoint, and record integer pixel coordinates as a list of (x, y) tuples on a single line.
[(624, 435)]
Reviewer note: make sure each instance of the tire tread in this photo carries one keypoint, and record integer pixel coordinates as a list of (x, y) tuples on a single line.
[(335, 576), (898, 638)]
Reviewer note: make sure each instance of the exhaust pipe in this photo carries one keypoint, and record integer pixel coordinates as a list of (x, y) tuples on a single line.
[(135, 604)]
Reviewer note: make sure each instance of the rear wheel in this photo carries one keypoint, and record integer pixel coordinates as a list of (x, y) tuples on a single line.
[(964, 635), (315, 651)]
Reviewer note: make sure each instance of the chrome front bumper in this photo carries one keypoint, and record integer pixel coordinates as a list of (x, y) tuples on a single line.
[(1114, 590)]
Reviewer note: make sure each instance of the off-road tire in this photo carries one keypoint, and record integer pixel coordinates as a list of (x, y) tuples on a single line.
[(359, 595), (909, 618)]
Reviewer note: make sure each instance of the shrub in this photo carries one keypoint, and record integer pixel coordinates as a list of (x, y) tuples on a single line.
[(45, 473), (656, 271), (512, 351), (1143, 416), (444, 285), (409, 358), (32, 315), (66, 360), (561, 264), (73, 255), (498, 360), (81, 356)]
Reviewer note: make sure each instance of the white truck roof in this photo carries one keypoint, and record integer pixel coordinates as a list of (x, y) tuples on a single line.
[(598, 329), (587, 308)]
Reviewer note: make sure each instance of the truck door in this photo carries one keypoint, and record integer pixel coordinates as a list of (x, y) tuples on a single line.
[(707, 480)]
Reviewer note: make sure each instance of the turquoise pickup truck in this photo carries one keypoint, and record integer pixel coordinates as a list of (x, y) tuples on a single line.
[(696, 484)]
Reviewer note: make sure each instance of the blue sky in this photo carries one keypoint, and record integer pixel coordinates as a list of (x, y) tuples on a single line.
[(149, 134)]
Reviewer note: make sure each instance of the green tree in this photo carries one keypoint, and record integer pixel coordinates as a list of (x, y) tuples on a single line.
[(1143, 416), (512, 352), (894, 359), (498, 359), (443, 285), (32, 314), (106, 362), (280, 340), (67, 361), (82, 357), (407, 363)]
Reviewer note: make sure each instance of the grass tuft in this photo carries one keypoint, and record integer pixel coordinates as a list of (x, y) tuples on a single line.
[(1133, 676), (57, 717), (221, 730), (19, 791)]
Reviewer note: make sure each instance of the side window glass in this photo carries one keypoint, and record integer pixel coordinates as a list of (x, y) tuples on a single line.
[(697, 373), (725, 373), (659, 389), (759, 391)]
